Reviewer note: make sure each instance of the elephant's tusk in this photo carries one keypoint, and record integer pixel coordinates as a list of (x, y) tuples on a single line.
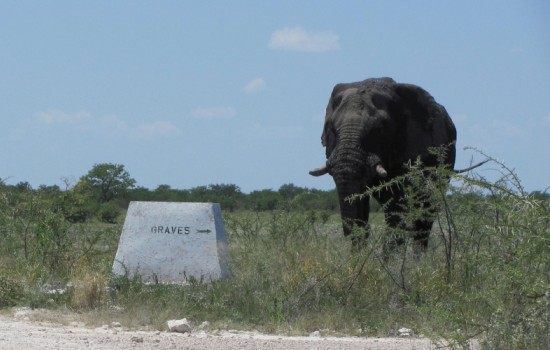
[(381, 171), (319, 171)]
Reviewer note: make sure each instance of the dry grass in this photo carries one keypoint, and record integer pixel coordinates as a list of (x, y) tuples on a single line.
[(88, 291)]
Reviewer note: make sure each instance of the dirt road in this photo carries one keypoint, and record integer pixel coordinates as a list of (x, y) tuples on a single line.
[(18, 332)]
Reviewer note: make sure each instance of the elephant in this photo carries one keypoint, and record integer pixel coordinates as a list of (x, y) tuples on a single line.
[(373, 129)]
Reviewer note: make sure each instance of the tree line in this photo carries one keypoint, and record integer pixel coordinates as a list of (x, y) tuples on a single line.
[(232, 198), (105, 191)]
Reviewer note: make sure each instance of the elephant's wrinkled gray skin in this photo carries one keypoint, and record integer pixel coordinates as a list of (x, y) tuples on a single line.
[(372, 129)]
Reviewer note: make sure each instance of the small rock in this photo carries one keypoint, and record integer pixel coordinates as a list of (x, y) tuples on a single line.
[(180, 326), (116, 324), (136, 339), (404, 332)]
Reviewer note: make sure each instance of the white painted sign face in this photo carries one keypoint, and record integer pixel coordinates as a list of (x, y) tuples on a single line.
[(170, 242)]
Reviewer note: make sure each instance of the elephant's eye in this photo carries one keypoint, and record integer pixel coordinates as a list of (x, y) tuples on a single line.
[(379, 101)]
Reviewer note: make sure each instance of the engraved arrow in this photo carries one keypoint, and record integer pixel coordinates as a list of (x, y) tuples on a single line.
[(204, 231)]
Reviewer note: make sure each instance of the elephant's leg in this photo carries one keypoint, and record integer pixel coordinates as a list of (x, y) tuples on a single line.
[(424, 209), (393, 213), (422, 229), (423, 226)]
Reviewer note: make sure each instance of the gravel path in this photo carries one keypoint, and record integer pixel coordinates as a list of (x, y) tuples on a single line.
[(20, 332)]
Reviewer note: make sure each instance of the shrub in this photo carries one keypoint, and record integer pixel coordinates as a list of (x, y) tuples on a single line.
[(108, 212), (88, 290), (11, 291), (486, 274)]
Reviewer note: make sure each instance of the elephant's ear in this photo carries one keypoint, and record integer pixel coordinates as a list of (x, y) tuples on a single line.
[(425, 121)]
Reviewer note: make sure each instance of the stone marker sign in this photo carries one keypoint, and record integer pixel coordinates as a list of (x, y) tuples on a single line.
[(169, 242)]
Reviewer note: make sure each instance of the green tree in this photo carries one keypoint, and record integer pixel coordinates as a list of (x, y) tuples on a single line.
[(264, 200), (164, 193), (107, 181), (139, 193), (76, 204), (290, 191), (228, 195)]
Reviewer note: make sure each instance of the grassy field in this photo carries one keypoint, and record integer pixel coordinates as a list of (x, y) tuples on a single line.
[(485, 274)]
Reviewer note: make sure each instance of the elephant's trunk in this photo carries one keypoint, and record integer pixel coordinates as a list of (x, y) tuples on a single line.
[(354, 211), (348, 166), (353, 169)]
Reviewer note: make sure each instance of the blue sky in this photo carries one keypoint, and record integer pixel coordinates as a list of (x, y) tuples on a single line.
[(189, 93)]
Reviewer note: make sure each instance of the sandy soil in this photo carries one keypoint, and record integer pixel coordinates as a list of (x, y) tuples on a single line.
[(18, 330)]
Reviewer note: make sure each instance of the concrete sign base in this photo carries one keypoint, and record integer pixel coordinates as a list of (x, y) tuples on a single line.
[(171, 242)]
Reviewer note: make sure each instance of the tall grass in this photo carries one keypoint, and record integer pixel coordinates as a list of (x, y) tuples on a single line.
[(484, 276)]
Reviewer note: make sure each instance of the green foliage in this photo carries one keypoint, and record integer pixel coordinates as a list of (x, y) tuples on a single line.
[(76, 204), (11, 290), (52, 242), (484, 276), (108, 212), (502, 260), (229, 196), (107, 181), (102, 193), (487, 271), (232, 199), (264, 200), (36, 236)]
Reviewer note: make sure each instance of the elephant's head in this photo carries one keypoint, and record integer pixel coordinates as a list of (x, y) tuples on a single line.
[(371, 129)]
